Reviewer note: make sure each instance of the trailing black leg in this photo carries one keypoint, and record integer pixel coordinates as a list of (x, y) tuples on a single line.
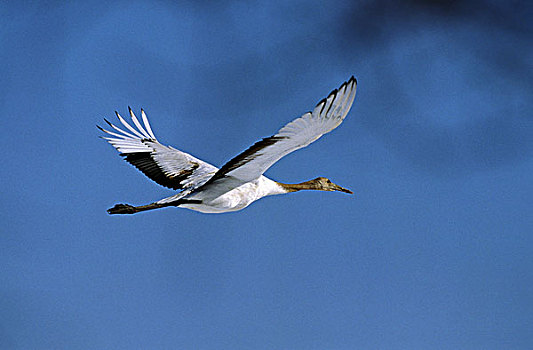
[(130, 209)]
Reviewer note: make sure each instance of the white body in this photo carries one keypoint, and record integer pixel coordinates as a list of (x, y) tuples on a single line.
[(235, 199)]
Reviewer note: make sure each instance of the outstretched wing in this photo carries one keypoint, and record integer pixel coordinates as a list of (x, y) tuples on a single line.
[(165, 165), (327, 115)]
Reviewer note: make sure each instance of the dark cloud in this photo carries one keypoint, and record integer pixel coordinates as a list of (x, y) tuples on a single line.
[(497, 40)]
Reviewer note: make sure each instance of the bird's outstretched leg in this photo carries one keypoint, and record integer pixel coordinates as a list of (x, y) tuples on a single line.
[(130, 209)]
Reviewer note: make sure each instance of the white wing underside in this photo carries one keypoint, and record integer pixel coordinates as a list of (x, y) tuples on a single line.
[(164, 164), (252, 163)]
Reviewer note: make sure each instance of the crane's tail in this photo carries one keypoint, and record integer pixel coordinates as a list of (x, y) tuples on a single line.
[(130, 209)]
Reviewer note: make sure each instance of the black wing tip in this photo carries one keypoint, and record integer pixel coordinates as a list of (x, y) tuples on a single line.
[(352, 80), (325, 99), (321, 101), (336, 91), (108, 122)]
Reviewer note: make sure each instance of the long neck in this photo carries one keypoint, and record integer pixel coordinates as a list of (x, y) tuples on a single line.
[(307, 185)]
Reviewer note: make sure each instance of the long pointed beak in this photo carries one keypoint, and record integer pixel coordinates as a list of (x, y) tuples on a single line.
[(342, 189)]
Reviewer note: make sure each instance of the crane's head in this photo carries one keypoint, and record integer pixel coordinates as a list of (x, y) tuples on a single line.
[(320, 184), (324, 184)]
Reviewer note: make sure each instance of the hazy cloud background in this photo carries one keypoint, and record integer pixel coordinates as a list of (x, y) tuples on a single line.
[(433, 251)]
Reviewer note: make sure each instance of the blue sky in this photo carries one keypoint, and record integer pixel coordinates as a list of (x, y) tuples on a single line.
[(433, 251)]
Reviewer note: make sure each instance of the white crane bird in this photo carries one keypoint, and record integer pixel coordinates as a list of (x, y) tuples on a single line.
[(240, 181)]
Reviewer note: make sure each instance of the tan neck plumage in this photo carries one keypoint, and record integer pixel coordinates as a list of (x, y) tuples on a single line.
[(307, 185)]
